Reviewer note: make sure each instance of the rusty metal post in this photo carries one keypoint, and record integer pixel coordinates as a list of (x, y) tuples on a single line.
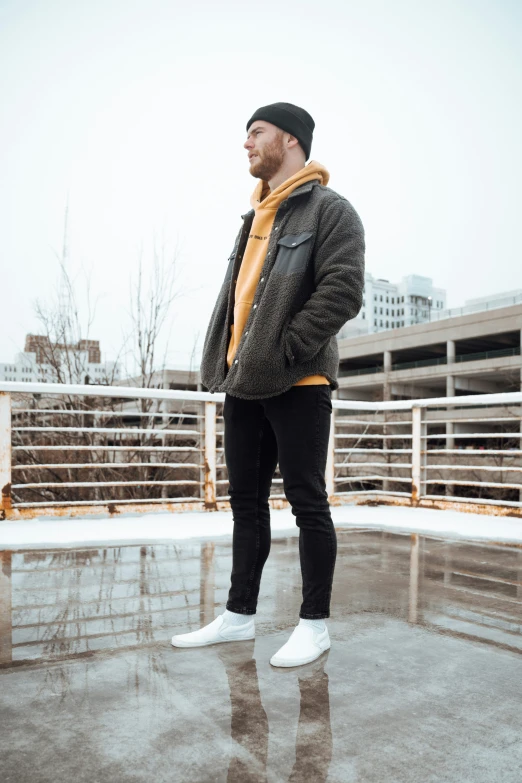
[(386, 444), (5, 454), (416, 449), (210, 455), (450, 426), (520, 491), (330, 460), (201, 439)]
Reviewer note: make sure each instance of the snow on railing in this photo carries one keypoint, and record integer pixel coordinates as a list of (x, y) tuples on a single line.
[(66, 448)]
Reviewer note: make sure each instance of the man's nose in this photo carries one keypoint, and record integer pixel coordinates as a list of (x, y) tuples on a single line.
[(248, 144)]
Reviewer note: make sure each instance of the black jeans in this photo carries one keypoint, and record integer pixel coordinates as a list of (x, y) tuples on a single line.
[(292, 428)]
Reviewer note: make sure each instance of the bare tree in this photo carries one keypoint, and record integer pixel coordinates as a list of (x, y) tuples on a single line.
[(86, 453), (151, 307)]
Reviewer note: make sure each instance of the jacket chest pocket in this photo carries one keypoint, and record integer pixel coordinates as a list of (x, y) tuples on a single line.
[(293, 253)]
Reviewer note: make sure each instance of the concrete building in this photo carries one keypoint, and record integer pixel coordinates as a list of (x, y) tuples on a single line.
[(49, 362), (473, 353), (389, 305)]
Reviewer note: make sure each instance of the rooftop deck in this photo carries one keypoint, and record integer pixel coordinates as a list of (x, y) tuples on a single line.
[(421, 682)]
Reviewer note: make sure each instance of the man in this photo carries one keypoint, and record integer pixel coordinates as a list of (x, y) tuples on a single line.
[(295, 276)]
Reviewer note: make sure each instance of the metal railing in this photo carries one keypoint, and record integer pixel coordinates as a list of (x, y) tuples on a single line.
[(80, 449), (361, 371), (478, 307)]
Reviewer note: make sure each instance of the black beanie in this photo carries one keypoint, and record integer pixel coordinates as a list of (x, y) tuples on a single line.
[(289, 118)]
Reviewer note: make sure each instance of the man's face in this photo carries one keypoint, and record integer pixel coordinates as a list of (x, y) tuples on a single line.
[(266, 151)]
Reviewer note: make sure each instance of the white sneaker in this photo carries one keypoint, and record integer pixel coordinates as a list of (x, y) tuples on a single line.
[(216, 631), (304, 645)]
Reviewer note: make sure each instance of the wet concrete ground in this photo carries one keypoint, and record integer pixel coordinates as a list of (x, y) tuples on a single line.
[(423, 681)]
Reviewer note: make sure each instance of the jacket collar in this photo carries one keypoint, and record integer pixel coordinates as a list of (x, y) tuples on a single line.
[(306, 188)]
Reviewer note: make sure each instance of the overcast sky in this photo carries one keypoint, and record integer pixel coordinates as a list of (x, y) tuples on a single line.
[(135, 112)]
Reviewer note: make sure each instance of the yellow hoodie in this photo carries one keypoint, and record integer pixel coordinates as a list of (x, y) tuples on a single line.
[(265, 204)]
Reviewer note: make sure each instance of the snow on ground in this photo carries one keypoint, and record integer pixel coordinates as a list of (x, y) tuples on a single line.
[(163, 526)]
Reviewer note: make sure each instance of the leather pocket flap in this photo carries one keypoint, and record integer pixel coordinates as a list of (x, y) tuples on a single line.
[(294, 240)]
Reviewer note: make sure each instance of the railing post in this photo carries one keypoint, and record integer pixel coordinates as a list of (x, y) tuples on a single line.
[(520, 490), (210, 455), (416, 448), (5, 454), (201, 441), (330, 460)]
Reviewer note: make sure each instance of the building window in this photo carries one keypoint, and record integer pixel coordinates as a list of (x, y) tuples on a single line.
[(387, 324), (380, 297), (375, 297), (364, 315), (387, 311), (375, 322), (381, 323)]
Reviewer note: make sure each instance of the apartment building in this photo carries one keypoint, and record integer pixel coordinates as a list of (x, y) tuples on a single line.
[(48, 362), (388, 305)]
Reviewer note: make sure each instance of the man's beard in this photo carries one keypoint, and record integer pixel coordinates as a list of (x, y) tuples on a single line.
[(270, 161)]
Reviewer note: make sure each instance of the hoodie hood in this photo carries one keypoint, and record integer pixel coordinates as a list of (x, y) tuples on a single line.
[(264, 198)]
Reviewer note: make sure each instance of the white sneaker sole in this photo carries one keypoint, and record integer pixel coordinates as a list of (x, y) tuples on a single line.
[(281, 662), (182, 643)]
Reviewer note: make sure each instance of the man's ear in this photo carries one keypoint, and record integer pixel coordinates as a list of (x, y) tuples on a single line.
[(291, 141)]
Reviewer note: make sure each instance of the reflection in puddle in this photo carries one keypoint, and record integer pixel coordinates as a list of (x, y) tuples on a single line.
[(313, 750), (250, 726), (87, 634), (69, 603), (414, 578), (6, 632), (249, 722)]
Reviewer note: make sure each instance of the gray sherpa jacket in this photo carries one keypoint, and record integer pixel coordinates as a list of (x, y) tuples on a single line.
[(311, 283)]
